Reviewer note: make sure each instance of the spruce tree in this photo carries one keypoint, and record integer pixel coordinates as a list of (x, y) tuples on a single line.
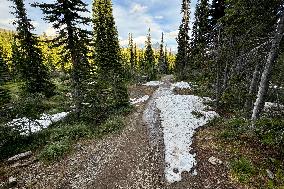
[(167, 60), (4, 73), (201, 28), (131, 53), (66, 17), (108, 57), (182, 57), (217, 11), (149, 58), (33, 71), (162, 63)]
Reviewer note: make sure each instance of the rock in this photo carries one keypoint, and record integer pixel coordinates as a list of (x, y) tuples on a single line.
[(176, 170), (270, 174), (20, 156), (214, 161), (12, 181)]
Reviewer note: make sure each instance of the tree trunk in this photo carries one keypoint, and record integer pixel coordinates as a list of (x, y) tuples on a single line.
[(252, 87), (263, 86)]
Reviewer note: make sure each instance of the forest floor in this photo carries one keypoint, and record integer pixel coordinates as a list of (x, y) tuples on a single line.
[(133, 158)]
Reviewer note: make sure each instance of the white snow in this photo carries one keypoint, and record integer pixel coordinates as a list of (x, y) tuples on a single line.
[(178, 124), (153, 83), (139, 100), (181, 85), (25, 125), (269, 105)]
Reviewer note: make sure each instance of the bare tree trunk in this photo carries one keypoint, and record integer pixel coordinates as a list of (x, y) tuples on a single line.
[(252, 87), (263, 86)]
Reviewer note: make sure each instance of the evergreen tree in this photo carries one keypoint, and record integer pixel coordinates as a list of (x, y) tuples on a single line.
[(135, 56), (201, 28), (217, 11), (182, 57), (65, 17), (162, 63), (131, 53), (108, 57), (167, 60), (150, 67), (4, 72), (33, 71)]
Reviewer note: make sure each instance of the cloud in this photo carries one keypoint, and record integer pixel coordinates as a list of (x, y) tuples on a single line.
[(131, 16), (138, 8), (159, 17)]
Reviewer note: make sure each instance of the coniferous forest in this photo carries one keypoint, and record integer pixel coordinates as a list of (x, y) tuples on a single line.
[(80, 110)]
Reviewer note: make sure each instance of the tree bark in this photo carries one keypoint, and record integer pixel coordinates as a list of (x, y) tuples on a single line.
[(263, 86)]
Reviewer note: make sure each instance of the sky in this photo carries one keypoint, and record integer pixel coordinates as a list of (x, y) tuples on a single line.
[(131, 16)]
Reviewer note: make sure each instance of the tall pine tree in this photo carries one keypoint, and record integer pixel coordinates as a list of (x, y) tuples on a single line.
[(182, 57), (162, 63), (108, 57), (149, 58), (65, 17), (33, 71), (4, 72), (131, 53)]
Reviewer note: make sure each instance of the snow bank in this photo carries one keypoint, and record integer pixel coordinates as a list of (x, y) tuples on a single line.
[(139, 100), (181, 85), (153, 83), (179, 125), (24, 124)]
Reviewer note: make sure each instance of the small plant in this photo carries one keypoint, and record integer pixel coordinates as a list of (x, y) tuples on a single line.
[(55, 150), (243, 169)]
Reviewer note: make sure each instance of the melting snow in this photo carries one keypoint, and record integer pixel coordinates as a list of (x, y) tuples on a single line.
[(153, 83), (178, 123), (139, 100), (24, 124), (181, 85)]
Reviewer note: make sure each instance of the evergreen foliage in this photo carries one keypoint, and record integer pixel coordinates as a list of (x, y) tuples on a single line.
[(33, 71), (65, 17), (201, 36), (149, 58), (109, 93), (4, 73), (182, 57), (163, 67)]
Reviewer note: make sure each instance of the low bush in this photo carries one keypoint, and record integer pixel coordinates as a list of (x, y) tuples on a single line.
[(55, 150)]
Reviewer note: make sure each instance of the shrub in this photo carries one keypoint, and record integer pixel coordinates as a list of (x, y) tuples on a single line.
[(70, 132), (55, 150)]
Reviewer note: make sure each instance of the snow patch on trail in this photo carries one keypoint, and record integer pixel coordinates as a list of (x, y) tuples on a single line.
[(181, 85), (139, 100), (26, 125), (153, 83), (179, 121), (179, 124)]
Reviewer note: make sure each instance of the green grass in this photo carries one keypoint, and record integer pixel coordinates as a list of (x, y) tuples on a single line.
[(242, 168)]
